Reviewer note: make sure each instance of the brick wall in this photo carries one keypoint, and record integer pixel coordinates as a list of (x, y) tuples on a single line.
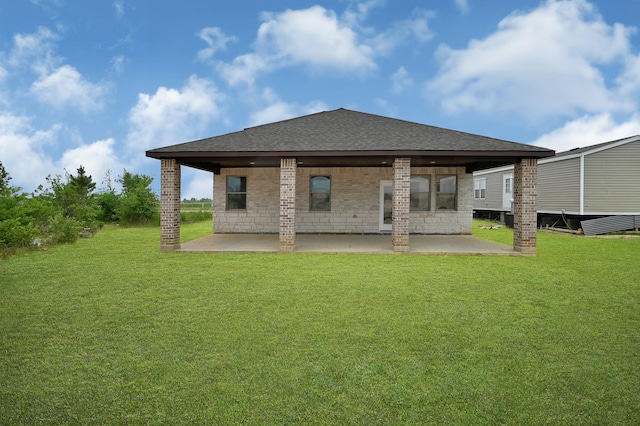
[(355, 200), (525, 180), (400, 202), (287, 204), (169, 205)]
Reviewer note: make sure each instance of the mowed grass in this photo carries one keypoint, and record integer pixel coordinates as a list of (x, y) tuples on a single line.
[(111, 331)]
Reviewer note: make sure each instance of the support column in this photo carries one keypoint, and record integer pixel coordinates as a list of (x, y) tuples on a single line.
[(525, 214), (400, 204), (287, 204), (169, 205)]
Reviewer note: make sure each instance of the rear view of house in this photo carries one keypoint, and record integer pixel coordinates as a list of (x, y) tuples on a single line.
[(347, 172), (598, 180)]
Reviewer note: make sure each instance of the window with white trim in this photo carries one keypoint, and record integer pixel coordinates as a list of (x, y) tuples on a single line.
[(508, 185), (480, 188)]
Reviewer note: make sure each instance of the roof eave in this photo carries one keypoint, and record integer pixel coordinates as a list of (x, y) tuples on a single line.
[(159, 154)]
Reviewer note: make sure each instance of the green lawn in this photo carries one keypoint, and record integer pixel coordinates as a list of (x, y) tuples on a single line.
[(109, 330)]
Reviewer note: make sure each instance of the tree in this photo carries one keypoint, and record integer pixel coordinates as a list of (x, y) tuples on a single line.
[(79, 198), (138, 204), (108, 200)]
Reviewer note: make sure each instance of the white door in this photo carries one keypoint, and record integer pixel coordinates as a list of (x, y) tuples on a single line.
[(386, 193), (507, 191)]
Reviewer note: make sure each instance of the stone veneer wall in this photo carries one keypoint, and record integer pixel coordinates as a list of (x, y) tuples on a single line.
[(355, 191), (449, 222)]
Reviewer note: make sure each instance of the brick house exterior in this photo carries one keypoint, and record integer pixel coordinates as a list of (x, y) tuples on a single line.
[(347, 172)]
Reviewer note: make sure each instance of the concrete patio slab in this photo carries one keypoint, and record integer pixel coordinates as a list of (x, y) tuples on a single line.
[(306, 243)]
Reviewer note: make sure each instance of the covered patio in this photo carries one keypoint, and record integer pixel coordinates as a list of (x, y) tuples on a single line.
[(346, 243), (346, 181)]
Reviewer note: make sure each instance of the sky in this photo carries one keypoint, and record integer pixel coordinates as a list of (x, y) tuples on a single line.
[(97, 83)]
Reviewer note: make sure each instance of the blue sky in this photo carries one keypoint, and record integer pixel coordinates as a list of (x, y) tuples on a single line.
[(97, 83)]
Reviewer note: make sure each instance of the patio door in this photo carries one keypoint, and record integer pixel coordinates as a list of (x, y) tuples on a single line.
[(507, 190), (386, 194)]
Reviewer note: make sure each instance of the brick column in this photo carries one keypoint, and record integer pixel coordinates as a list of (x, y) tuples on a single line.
[(287, 204), (400, 204), (525, 181), (169, 205)]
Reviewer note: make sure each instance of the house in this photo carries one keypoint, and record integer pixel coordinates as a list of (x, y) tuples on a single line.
[(344, 171), (594, 181)]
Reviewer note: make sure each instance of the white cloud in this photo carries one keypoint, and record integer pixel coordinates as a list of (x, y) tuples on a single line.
[(66, 87), (49, 6), (463, 6), (358, 11), (279, 110), (3, 74), (243, 69), (22, 150), (318, 39), (34, 50), (216, 39), (417, 26), (117, 64), (589, 130), (314, 37), (96, 158), (119, 7), (629, 80), (171, 116), (540, 63), (400, 81)]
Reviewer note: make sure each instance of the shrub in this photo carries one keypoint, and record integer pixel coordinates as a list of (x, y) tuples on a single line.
[(63, 230), (15, 233), (138, 204)]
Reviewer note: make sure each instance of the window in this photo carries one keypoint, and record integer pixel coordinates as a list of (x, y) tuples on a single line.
[(236, 193), (320, 193), (446, 188), (480, 188), (508, 183), (419, 194)]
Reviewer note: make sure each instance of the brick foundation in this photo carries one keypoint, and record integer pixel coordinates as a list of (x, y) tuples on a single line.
[(525, 180), (400, 204), (287, 204), (169, 205)]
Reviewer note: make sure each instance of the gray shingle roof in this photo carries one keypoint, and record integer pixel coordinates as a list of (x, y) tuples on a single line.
[(585, 149), (345, 130)]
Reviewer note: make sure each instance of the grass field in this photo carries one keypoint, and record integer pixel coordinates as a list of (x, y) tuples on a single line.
[(111, 331)]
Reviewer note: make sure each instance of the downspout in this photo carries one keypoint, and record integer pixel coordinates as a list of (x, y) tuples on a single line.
[(581, 184)]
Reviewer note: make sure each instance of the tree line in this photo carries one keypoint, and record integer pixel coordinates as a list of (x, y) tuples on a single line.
[(66, 208)]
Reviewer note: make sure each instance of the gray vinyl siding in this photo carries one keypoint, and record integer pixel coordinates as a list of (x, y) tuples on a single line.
[(493, 200), (612, 180), (559, 186)]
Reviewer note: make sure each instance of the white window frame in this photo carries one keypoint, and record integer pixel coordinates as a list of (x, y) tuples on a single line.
[(480, 188)]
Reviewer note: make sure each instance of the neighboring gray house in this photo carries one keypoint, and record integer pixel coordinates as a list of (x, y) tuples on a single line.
[(345, 171), (598, 180)]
